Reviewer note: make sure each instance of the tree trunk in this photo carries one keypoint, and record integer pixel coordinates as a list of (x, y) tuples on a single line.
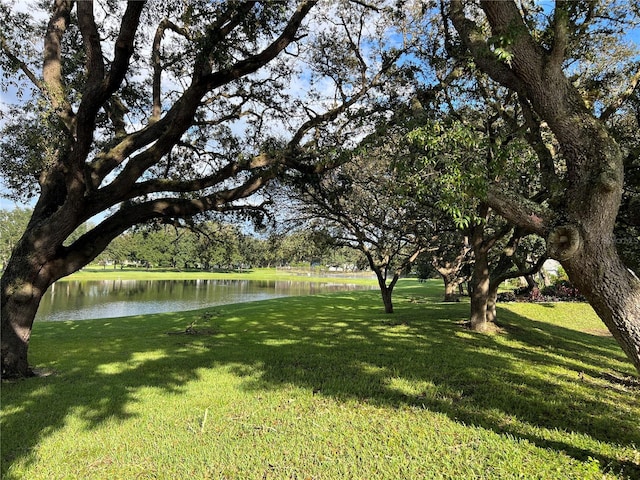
[(480, 279), (385, 290), (386, 299), (17, 315), (611, 289), (450, 290), (23, 284), (531, 283), (451, 283), (479, 292), (492, 299)]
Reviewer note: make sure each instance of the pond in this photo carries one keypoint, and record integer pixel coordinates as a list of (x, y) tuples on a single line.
[(75, 300)]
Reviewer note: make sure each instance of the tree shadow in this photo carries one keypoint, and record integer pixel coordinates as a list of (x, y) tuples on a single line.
[(348, 349)]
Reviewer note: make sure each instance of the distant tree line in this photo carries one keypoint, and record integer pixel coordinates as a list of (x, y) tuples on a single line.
[(207, 246), (224, 246)]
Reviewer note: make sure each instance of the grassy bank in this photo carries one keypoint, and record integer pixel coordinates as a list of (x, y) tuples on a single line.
[(99, 273), (325, 387)]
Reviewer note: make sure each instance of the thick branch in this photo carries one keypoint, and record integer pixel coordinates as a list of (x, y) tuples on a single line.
[(52, 67), (164, 25), (91, 41), (96, 94), (560, 34), (519, 211), (508, 275), (124, 46), (474, 39), (87, 247), (505, 20)]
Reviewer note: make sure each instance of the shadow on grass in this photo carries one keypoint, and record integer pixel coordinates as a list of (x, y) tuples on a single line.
[(533, 379)]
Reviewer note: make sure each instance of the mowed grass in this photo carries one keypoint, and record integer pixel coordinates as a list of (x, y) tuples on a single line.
[(325, 387), (258, 274)]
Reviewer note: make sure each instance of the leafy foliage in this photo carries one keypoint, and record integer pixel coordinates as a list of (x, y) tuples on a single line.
[(452, 164), (12, 225)]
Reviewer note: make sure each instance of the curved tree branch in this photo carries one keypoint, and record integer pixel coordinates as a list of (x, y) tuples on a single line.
[(91, 42), (52, 67), (517, 210), (89, 245), (164, 25)]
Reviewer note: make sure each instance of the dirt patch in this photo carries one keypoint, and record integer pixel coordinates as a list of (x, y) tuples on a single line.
[(599, 332), (629, 382), (195, 331)]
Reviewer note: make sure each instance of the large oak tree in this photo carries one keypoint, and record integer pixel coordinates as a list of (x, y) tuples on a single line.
[(163, 110), (582, 203)]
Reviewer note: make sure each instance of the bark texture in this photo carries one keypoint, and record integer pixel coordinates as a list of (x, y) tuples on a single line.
[(480, 279)]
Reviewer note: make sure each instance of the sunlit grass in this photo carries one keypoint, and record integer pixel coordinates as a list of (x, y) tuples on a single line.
[(325, 387), (258, 274)]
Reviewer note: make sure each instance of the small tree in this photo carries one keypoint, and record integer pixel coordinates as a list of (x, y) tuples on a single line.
[(450, 256), (362, 205)]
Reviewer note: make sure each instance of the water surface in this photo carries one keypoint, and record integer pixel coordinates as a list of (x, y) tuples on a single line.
[(81, 300)]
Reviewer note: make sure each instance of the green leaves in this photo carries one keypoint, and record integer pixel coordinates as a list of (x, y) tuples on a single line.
[(451, 167), (500, 45)]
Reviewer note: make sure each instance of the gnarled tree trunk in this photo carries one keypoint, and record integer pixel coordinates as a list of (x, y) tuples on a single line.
[(450, 286), (451, 271), (25, 280), (612, 290)]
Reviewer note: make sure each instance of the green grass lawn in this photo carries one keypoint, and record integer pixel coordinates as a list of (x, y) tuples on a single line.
[(100, 273), (325, 387)]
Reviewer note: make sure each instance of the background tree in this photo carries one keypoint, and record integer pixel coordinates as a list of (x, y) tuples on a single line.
[(12, 225), (460, 154), (218, 245), (163, 111), (521, 256), (362, 205), (450, 257)]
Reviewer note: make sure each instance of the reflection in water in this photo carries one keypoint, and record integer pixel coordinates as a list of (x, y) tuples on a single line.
[(74, 300)]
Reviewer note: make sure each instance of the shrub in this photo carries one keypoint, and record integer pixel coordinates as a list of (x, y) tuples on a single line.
[(506, 297), (563, 291)]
